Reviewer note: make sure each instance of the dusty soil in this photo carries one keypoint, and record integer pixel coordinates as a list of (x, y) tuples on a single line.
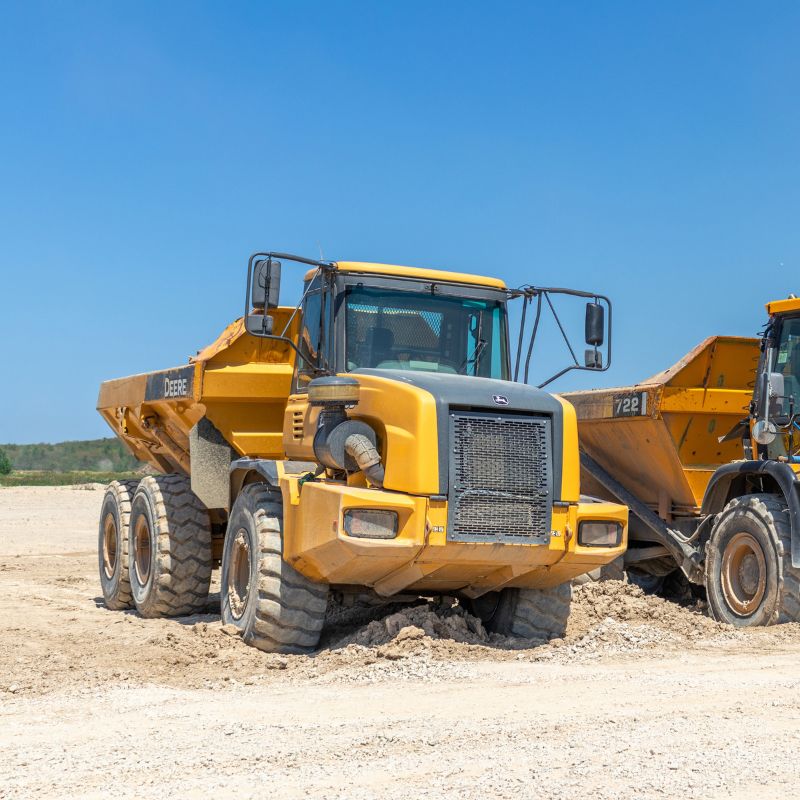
[(641, 699)]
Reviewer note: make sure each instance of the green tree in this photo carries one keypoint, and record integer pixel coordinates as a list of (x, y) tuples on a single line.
[(5, 463)]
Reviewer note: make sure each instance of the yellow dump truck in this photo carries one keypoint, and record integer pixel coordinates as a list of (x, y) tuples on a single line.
[(371, 438), (706, 456)]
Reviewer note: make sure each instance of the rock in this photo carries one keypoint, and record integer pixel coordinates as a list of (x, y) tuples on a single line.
[(409, 632)]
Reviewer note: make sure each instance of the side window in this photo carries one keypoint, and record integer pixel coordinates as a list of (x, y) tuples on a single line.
[(313, 334)]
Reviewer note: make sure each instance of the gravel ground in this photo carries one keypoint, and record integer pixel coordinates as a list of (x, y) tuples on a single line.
[(641, 699)]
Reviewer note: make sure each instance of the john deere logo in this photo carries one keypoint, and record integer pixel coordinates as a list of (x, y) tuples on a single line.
[(500, 399)]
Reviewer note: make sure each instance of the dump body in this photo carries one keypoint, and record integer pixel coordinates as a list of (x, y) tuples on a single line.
[(660, 438), (239, 383)]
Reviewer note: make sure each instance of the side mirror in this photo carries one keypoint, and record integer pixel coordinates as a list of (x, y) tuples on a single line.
[(593, 359), (266, 287), (595, 324), (258, 324)]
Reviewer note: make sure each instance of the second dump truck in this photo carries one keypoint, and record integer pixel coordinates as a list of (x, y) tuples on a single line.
[(706, 454), (370, 439)]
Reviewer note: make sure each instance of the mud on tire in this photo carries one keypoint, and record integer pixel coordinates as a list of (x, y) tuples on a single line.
[(527, 613), (112, 544), (277, 609), (749, 575), (169, 548)]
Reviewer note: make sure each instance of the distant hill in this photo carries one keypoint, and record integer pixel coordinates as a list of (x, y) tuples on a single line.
[(94, 455)]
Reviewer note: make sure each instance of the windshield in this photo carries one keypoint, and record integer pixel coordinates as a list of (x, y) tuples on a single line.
[(787, 363), (389, 329), (787, 359)]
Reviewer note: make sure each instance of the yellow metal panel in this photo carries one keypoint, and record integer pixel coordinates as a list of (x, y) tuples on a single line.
[(406, 416), (570, 465), (706, 401), (249, 382), (403, 416), (415, 272), (784, 306), (421, 558)]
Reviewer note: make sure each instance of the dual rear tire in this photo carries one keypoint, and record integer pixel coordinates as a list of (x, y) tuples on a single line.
[(155, 547), (112, 546), (155, 555)]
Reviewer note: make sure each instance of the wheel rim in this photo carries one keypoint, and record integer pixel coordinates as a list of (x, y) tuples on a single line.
[(744, 574), (109, 545), (143, 556), (239, 574)]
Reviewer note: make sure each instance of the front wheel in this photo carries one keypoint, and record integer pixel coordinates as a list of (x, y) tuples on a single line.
[(276, 608), (750, 580), (526, 613)]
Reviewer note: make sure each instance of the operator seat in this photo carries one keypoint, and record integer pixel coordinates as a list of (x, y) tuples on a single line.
[(378, 346)]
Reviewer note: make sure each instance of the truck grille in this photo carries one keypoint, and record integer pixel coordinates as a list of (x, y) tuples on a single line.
[(500, 478)]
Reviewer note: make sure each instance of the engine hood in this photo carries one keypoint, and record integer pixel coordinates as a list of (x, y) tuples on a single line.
[(480, 394)]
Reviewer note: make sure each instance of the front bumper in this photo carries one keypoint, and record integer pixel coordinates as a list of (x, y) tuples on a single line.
[(420, 558)]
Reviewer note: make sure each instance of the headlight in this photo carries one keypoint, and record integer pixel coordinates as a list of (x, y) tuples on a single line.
[(370, 523), (599, 534)]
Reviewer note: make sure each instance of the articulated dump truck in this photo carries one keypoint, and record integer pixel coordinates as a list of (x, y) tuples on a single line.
[(706, 456), (370, 439)]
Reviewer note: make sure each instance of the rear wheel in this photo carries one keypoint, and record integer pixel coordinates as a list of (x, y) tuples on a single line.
[(276, 608), (169, 548), (613, 571), (750, 580), (526, 613), (112, 544)]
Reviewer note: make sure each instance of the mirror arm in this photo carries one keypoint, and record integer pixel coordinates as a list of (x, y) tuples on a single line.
[(299, 304), (558, 375), (533, 336), (561, 328), (525, 302), (528, 293)]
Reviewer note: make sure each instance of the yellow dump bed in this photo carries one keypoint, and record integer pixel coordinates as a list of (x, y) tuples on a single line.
[(240, 383), (660, 438)]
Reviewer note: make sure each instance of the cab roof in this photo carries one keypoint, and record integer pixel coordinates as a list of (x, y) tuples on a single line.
[(783, 306), (436, 275)]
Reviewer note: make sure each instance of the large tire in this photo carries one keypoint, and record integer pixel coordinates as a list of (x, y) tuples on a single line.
[(170, 548), (750, 580), (526, 613), (277, 609), (112, 545)]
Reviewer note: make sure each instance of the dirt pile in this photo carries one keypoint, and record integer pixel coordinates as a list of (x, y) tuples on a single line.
[(607, 618), (614, 617), (624, 602)]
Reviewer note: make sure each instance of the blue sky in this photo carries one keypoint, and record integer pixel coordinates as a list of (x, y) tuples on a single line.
[(648, 151)]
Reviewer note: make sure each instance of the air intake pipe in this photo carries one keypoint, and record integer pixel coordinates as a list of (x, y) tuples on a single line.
[(366, 455), (342, 443)]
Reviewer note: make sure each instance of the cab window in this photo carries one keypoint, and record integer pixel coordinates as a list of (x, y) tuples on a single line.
[(314, 330)]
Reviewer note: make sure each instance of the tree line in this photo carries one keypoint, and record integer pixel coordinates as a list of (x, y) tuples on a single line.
[(95, 455)]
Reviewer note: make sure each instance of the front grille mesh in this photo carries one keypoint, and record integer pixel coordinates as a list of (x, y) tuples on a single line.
[(500, 477)]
